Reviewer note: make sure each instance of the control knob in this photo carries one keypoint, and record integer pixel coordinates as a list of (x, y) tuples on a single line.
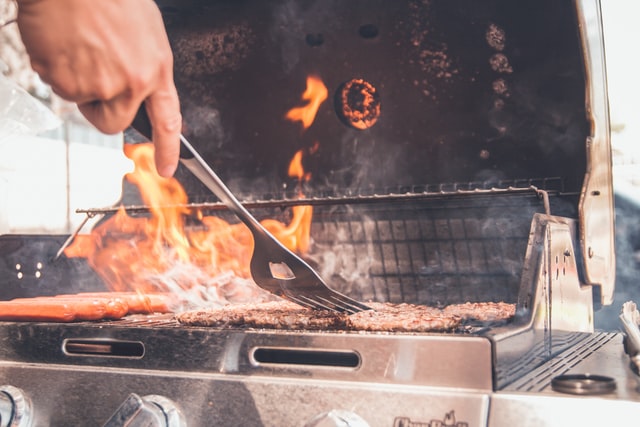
[(337, 418), (148, 411), (15, 407)]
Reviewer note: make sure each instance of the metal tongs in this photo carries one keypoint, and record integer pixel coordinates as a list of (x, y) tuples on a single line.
[(273, 267)]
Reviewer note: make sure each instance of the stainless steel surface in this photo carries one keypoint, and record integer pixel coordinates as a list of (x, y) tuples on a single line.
[(135, 412), (569, 304), (273, 266), (532, 401), (66, 394), (554, 308), (210, 399), (596, 199), (407, 359), (213, 378), (172, 413)]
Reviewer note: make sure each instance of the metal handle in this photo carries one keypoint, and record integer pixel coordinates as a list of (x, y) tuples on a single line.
[(208, 177), (142, 125), (190, 158)]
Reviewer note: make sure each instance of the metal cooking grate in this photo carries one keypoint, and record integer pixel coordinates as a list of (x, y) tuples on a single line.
[(144, 320), (459, 244), (425, 253)]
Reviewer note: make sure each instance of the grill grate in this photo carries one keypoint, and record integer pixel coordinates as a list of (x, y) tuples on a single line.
[(425, 253), (144, 320), (426, 246)]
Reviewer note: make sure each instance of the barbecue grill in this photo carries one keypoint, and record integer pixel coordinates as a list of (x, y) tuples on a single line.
[(462, 154)]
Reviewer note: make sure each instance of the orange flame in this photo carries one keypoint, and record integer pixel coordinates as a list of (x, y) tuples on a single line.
[(297, 234), (159, 253), (203, 264), (316, 93)]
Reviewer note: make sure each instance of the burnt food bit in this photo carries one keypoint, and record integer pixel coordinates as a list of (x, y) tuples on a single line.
[(357, 104)]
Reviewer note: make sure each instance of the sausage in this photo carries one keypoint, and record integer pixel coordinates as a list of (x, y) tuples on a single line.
[(82, 307), (137, 303), (53, 310)]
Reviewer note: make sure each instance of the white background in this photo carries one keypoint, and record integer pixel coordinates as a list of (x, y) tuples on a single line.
[(622, 34)]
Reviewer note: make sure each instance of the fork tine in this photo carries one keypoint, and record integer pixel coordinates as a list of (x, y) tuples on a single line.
[(334, 306), (303, 302), (348, 304), (339, 302), (313, 303), (318, 305)]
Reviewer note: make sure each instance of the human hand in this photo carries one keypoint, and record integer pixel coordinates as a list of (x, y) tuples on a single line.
[(108, 57)]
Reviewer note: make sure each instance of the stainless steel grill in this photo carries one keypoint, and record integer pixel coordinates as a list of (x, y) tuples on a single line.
[(487, 177)]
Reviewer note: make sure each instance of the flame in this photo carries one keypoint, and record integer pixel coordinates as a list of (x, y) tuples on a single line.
[(316, 93), (162, 251), (297, 233)]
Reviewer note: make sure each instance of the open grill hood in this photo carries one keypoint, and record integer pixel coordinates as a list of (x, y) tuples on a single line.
[(469, 91), (489, 94)]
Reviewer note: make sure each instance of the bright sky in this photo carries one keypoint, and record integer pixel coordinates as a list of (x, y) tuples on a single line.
[(622, 32)]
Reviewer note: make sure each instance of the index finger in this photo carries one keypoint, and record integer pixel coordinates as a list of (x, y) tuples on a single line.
[(163, 109)]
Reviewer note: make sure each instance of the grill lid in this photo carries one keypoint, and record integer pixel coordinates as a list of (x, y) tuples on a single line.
[(467, 91)]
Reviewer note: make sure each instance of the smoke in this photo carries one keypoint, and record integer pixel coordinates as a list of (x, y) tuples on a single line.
[(207, 291)]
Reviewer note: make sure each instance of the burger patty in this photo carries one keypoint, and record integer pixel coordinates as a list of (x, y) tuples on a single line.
[(402, 318), (384, 317), (482, 311), (272, 315)]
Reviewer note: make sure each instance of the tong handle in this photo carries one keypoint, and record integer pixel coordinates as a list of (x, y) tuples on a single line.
[(142, 124), (190, 158)]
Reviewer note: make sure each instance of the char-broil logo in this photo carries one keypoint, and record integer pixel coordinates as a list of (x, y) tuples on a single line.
[(448, 421)]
